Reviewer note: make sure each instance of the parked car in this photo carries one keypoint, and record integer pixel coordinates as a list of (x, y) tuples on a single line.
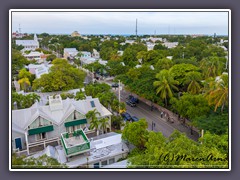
[(135, 119), (130, 103), (115, 85), (126, 116), (133, 99)]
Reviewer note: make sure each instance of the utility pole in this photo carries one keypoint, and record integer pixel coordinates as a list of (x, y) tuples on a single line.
[(136, 29), (92, 75), (119, 97)]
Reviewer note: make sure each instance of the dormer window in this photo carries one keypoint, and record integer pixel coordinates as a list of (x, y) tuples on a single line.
[(92, 103)]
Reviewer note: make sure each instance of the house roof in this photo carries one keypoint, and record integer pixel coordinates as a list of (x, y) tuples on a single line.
[(24, 117)]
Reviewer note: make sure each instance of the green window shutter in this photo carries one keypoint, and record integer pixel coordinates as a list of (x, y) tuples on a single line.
[(75, 122), (40, 130)]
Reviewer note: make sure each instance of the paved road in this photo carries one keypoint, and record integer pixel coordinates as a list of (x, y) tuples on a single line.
[(144, 111)]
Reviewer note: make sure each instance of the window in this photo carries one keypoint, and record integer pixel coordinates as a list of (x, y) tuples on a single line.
[(111, 161), (104, 163), (92, 103), (41, 136)]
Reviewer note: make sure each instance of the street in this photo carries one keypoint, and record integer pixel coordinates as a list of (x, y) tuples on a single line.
[(142, 110)]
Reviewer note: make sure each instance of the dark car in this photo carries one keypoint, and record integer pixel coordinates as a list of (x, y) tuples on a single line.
[(130, 103), (133, 99), (126, 116), (115, 85), (134, 119)]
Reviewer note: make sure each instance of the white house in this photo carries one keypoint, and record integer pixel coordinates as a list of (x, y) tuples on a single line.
[(170, 44), (39, 69), (62, 120), (70, 53), (95, 54), (29, 44), (38, 56)]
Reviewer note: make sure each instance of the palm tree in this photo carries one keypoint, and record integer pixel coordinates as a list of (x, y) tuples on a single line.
[(165, 84), (192, 79), (211, 67), (80, 96), (24, 82), (94, 123), (104, 124), (218, 93)]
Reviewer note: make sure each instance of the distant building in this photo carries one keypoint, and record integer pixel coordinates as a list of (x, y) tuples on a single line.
[(150, 46), (35, 55), (95, 54), (70, 53), (29, 44), (75, 34), (170, 44), (39, 69)]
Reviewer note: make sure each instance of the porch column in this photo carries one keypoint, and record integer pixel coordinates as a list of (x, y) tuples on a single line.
[(26, 138)]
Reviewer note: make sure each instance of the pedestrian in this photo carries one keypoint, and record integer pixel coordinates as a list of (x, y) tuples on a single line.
[(161, 114)]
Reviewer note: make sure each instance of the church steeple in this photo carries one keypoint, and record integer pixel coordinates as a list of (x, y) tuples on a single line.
[(35, 37)]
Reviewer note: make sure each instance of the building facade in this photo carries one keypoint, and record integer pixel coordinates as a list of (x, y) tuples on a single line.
[(38, 126)]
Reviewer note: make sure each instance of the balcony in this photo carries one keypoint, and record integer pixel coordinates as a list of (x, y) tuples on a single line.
[(75, 143)]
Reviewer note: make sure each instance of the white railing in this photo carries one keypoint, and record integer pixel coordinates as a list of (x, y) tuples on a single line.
[(43, 142)]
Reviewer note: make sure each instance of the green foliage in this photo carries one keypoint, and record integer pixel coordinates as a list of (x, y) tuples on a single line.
[(164, 63), (179, 71), (62, 77), (178, 151), (51, 57), (117, 122), (215, 123), (130, 54), (191, 106), (165, 85), (24, 101), (116, 68), (41, 162), (67, 95), (136, 133), (18, 61)]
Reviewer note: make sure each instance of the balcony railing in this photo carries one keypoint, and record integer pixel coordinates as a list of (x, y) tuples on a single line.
[(79, 142)]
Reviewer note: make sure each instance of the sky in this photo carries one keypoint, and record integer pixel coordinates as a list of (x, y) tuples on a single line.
[(121, 22)]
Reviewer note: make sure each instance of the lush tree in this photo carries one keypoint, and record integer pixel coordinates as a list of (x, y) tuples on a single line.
[(212, 66), (136, 133), (18, 61), (165, 84), (94, 122), (80, 96), (24, 101), (104, 124), (191, 106), (218, 93), (130, 54), (178, 151), (192, 80), (51, 57), (62, 77), (164, 63), (179, 71), (41, 162), (215, 122)]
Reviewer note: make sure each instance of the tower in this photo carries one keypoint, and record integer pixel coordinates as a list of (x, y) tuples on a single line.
[(136, 28)]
